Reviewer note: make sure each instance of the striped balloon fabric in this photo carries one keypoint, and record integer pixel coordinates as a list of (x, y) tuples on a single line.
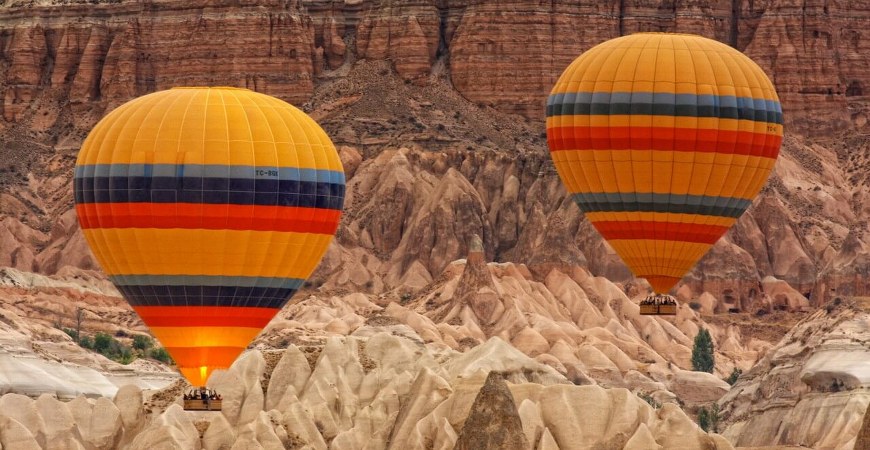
[(663, 140), (208, 208)]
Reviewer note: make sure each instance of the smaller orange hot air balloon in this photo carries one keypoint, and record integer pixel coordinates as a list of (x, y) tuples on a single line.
[(663, 140), (208, 208)]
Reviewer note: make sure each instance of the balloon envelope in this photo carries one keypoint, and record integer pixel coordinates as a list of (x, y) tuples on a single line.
[(208, 208), (663, 140)]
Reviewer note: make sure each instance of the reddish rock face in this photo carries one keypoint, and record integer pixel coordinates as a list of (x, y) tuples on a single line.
[(509, 54), (504, 54), (124, 50)]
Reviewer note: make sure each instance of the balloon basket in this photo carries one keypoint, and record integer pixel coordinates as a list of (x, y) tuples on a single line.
[(196, 402), (659, 305), (202, 405)]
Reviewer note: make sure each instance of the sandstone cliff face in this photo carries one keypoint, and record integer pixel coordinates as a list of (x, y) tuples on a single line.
[(810, 389), (503, 54), (124, 50)]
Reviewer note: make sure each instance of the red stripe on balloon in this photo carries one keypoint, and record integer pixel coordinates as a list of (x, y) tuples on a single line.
[(663, 138), (205, 316), (668, 231), (208, 217)]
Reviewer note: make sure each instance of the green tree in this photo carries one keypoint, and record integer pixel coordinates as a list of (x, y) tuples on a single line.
[(102, 343), (708, 420), (735, 374), (142, 342), (704, 419), (161, 355), (650, 400), (86, 342), (126, 356), (702, 352), (71, 333)]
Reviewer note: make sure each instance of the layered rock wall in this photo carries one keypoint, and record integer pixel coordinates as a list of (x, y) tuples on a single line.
[(102, 55), (505, 53)]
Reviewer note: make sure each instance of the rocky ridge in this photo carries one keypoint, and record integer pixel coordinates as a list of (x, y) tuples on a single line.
[(811, 389), (381, 391), (814, 52)]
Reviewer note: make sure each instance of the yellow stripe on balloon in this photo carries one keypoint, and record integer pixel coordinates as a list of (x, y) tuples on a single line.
[(205, 336), (638, 249), (207, 252), (639, 173), (157, 131)]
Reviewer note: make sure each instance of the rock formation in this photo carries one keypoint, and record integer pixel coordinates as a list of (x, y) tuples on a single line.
[(383, 391), (818, 374), (493, 422)]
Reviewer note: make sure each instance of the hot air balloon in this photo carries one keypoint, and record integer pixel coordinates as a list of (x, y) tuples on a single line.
[(663, 140), (208, 208)]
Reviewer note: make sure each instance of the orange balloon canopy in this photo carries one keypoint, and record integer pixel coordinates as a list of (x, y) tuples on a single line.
[(663, 140), (208, 208)]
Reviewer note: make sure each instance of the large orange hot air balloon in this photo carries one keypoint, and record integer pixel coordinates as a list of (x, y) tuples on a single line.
[(663, 140), (208, 208)]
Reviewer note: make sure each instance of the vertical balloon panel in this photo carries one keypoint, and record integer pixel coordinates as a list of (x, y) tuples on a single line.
[(663, 140), (208, 208)]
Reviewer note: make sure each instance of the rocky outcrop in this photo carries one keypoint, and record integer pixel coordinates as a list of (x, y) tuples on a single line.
[(506, 55), (810, 389), (379, 390), (125, 50), (493, 422)]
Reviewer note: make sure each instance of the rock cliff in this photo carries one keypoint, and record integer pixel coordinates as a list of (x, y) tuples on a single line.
[(810, 389), (506, 54)]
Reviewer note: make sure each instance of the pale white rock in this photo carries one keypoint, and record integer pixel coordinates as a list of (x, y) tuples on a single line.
[(23, 410), (676, 431), (695, 388), (15, 436), (496, 354), (848, 366), (219, 435), (428, 391), (642, 439), (247, 442), (337, 326), (59, 424), (422, 325), (265, 432), (615, 412), (129, 402), (240, 388), (299, 421), (530, 416), (171, 429), (288, 377), (99, 423), (530, 342), (548, 442)]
